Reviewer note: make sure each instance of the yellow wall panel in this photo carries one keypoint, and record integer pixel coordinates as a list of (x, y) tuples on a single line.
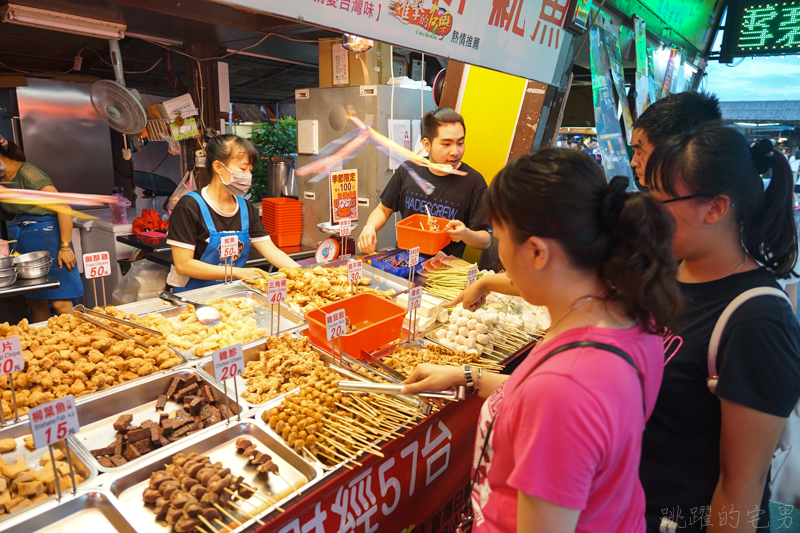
[(490, 107)]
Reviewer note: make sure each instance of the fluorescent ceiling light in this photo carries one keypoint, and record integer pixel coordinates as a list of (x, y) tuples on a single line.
[(160, 40), (51, 20)]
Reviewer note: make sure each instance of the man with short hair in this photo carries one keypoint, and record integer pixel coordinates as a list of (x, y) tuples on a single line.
[(456, 198), (675, 114)]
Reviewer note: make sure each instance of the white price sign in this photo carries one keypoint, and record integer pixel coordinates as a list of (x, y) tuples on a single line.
[(472, 275), (335, 324), (414, 298), (96, 265), (54, 421), (413, 256), (276, 290), (345, 227), (11, 356), (228, 362), (228, 246), (354, 271)]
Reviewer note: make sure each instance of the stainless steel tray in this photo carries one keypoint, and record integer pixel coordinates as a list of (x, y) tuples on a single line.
[(380, 280), (289, 322), (80, 461), (500, 355), (98, 415), (89, 511), (219, 445)]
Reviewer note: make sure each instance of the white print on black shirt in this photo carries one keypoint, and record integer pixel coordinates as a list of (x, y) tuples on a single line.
[(672, 343)]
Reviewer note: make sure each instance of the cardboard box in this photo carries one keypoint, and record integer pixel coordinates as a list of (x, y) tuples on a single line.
[(375, 62)]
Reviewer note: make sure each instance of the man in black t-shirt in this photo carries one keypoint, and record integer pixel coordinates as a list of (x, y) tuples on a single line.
[(456, 198)]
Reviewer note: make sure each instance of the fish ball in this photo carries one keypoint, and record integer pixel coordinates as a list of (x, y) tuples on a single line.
[(459, 339), (482, 339), (450, 336), (463, 331), (487, 319), (440, 333), (472, 323), (462, 321), (470, 344), (460, 349), (453, 328), (472, 335), (472, 351), (482, 328)]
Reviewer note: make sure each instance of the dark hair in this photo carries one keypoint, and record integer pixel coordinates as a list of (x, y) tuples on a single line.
[(677, 113), (717, 160), (625, 238), (222, 147), (434, 119), (12, 151)]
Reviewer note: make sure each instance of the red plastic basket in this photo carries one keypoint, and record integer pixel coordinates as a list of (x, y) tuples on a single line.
[(410, 234), (282, 240), (378, 320)]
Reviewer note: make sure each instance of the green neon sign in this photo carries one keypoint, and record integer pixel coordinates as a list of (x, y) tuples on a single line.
[(761, 28)]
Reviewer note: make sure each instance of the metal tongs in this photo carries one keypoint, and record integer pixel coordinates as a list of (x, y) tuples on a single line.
[(382, 388), (83, 313)]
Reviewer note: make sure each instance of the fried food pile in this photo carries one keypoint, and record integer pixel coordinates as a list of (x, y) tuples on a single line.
[(22, 485), (287, 364), (405, 360), (72, 357), (307, 290), (186, 331)]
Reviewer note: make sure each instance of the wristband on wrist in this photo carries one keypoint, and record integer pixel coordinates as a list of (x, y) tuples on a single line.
[(478, 382), (468, 378)]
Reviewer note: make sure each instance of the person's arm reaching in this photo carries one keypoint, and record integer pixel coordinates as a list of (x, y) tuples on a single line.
[(459, 232), (474, 296), (274, 255), (368, 239)]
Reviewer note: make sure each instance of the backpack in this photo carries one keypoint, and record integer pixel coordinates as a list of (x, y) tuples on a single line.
[(785, 465)]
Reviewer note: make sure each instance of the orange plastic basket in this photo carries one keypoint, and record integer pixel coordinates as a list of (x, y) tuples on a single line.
[(283, 240), (378, 320), (411, 234)]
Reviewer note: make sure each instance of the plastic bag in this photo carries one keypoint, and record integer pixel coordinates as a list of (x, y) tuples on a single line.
[(144, 280), (184, 187)]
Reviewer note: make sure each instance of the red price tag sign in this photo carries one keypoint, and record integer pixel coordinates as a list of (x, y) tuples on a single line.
[(54, 421), (336, 324), (11, 356), (413, 256), (414, 298), (228, 362), (354, 271), (229, 246), (472, 275), (96, 265), (345, 226), (276, 290)]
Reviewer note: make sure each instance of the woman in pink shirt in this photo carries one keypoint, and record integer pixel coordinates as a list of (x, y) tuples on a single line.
[(565, 429)]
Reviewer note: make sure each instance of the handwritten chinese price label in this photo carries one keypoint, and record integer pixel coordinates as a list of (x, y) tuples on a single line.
[(276, 290), (228, 362), (229, 246), (413, 256), (354, 271), (335, 324), (345, 227), (96, 265), (414, 298), (11, 356), (344, 195), (472, 275), (54, 421)]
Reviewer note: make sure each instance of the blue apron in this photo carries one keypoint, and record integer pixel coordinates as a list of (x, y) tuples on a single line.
[(35, 233), (211, 255)]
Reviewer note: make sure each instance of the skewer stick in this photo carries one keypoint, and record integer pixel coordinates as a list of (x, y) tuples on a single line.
[(226, 513), (342, 449), (287, 482), (347, 466), (366, 430), (252, 516), (94, 286), (357, 414), (200, 529), (223, 524), (207, 523), (268, 500), (369, 448)]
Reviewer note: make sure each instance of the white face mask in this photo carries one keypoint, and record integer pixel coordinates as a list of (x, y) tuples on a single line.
[(240, 182)]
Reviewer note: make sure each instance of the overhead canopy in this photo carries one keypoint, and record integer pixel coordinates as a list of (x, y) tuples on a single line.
[(759, 112)]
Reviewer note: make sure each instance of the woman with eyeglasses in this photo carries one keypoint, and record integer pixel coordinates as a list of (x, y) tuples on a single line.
[(706, 455), (200, 220)]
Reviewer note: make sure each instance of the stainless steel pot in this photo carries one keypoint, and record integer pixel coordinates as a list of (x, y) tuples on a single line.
[(6, 262), (33, 272), (32, 258)]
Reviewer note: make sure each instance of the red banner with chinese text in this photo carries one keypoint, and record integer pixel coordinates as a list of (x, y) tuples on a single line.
[(418, 486)]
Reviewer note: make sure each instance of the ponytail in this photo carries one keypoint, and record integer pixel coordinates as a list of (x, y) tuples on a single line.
[(640, 266), (717, 160), (224, 147), (11, 151), (626, 239)]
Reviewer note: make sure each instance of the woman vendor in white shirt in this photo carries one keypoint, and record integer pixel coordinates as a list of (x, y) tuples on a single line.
[(200, 220)]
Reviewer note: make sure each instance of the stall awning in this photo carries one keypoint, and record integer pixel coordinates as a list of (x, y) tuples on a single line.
[(760, 112)]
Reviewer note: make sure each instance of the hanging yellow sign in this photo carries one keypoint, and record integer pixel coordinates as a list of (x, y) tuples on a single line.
[(344, 194)]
